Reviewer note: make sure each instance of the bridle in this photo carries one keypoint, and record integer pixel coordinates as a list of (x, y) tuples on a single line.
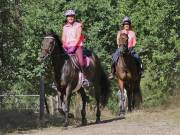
[(50, 49)]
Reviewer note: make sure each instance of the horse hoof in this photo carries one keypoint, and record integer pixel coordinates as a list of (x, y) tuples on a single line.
[(122, 115), (65, 124)]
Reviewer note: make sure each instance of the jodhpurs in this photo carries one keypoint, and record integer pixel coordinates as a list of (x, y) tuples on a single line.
[(79, 54)]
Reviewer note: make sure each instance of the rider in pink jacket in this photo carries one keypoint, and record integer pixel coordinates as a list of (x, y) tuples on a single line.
[(131, 37), (73, 39)]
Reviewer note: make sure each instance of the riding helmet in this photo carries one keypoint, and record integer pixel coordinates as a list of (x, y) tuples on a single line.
[(70, 13)]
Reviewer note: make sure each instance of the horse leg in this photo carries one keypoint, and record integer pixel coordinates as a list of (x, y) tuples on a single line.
[(97, 96), (60, 103), (129, 94), (83, 111), (121, 98), (58, 88), (66, 105)]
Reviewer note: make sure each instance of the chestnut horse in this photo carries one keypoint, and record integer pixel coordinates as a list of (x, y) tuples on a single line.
[(128, 77)]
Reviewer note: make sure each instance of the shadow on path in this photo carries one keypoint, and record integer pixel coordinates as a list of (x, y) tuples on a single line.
[(102, 122), (13, 120)]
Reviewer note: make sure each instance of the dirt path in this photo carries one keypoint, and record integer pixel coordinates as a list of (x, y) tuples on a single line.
[(159, 122)]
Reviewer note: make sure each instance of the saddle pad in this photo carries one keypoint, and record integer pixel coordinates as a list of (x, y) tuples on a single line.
[(87, 61)]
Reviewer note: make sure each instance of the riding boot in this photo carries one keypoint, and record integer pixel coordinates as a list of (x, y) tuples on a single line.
[(111, 75)]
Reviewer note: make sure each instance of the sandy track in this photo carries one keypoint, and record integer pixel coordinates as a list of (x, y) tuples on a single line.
[(137, 123)]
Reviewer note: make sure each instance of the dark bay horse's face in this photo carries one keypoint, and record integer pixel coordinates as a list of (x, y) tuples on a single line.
[(47, 47), (123, 43)]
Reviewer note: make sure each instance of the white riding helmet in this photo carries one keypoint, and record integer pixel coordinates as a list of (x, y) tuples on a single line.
[(70, 13), (126, 19)]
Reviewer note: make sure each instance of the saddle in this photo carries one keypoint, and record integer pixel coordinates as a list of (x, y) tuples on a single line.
[(87, 54), (82, 81), (86, 57)]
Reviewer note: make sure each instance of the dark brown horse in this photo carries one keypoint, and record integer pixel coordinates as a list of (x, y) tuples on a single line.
[(71, 77), (51, 46), (67, 75), (128, 77)]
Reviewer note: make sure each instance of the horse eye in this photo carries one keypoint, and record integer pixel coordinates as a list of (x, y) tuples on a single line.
[(52, 42)]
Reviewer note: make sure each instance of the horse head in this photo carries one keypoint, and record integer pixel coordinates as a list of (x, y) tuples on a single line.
[(123, 43), (48, 45)]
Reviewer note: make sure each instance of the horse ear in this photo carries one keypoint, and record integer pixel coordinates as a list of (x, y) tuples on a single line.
[(43, 33), (50, 32)]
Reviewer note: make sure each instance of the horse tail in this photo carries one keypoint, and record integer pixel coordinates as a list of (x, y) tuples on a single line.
[(105, 88), (138, 95)]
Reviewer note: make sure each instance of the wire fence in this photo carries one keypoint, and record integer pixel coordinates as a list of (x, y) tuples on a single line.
[(19, 102)]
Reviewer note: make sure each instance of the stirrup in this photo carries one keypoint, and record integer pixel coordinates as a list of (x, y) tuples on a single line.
[(85, 83)]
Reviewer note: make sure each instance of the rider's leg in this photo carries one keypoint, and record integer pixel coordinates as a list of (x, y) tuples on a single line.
[(79, 54), (138, 59), (115, 57)]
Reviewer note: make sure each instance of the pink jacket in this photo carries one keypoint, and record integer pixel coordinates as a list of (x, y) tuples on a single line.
[(70, 35), (131, 36)]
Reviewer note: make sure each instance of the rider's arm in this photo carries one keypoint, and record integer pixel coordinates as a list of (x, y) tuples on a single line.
[(117, 39), (134, 40)]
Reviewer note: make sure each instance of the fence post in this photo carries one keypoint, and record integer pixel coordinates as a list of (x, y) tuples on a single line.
[(42, 97)]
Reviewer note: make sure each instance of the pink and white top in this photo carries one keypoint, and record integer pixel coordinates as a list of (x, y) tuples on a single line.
[(70, 35), (131, 36)]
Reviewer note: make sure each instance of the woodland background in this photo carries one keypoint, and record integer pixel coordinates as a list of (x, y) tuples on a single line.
[(156, 23)]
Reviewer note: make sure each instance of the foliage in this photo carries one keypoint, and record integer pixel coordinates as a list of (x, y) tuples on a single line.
[(156, 23)]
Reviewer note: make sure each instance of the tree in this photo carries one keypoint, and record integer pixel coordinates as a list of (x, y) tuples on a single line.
[(156, 23)]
